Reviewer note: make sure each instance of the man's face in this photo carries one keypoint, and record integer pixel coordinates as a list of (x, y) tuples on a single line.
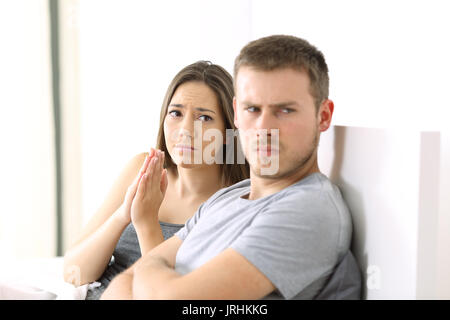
[(278, 99)]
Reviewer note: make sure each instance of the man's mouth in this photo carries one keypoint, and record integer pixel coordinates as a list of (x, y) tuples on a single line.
[(183, 147), (267, 151)]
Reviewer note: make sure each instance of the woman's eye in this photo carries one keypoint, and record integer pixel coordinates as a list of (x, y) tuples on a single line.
[(205, 118), (175, 113)]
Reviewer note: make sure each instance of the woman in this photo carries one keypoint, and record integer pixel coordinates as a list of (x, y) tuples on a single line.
[(171, 179)]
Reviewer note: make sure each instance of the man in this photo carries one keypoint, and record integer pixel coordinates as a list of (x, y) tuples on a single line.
[(277, 235)]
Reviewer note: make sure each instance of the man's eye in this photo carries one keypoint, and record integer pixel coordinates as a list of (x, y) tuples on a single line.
[(252, 109), (287, 110), (205, 118), (175, 113)]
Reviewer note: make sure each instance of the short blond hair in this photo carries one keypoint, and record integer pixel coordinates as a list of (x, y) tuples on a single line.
[(283, 51)]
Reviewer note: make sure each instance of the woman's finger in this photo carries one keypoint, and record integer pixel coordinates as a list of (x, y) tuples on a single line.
[(152, 152), (141, 171), (145, 166), (138, 178), (154, 155), (164, 182), (146, 162), (151, 170), (141, 187), (158, 170)]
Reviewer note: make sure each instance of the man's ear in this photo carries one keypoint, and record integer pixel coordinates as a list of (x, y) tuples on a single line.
[(325, 114), (235, 113)]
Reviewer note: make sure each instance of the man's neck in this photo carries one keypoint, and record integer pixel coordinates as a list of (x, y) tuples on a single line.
[(262, 186)]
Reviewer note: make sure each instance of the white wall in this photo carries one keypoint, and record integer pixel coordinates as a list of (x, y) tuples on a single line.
[(388, 60), (389, 68), (27, 184), (443, 235), (392, 189), (388, 65), (129, 52), (70, 120)]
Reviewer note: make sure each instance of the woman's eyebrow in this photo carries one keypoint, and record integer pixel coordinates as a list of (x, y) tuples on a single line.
[(179, 105), (204, 110)]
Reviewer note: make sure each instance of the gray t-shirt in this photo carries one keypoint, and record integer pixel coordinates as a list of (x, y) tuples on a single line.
[(295, 237)]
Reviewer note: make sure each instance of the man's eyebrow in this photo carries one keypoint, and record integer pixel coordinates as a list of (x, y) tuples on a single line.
[(276, 105), (179, 105), (284, 104)]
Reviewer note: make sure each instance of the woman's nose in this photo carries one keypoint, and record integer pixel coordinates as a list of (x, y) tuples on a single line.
[(187, 128)]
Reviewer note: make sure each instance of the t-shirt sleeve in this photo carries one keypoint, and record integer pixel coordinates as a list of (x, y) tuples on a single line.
[(293, 243), (190, 223)]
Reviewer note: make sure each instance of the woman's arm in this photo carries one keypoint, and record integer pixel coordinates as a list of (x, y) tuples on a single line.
[(149, 236), (87, 259), (147, 202)]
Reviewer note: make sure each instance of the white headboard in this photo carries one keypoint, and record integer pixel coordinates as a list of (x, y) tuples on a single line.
[(390, 180)]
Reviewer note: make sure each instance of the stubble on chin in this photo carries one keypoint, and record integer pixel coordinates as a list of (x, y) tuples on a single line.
[(293, 166)]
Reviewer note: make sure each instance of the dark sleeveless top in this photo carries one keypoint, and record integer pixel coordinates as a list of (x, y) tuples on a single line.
[(126, 253)]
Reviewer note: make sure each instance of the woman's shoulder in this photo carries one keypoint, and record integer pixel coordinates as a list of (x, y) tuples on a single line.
[(136, 161), (140, 156)]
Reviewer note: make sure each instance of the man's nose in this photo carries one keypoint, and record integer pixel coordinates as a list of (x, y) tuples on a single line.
[(265, 122)]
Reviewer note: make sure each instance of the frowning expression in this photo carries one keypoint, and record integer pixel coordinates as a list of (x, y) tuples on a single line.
[(192, 102), (280, 100)]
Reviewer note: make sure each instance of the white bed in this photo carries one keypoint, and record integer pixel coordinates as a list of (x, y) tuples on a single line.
[(37, 279)]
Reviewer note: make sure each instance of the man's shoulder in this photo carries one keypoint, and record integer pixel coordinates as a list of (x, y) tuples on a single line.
[(311, 188), (228, 191), (315, 195), (315, 202)]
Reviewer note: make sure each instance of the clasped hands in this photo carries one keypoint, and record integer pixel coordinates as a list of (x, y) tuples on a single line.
[(146, 193)]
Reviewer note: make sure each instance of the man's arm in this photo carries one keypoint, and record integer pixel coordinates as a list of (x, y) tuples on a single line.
[(227, 276), (122, 285)]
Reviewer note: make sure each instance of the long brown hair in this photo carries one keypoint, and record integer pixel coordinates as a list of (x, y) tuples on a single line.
[(221, 82)]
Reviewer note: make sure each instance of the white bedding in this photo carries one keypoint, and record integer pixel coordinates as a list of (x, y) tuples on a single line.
[(40, 279)]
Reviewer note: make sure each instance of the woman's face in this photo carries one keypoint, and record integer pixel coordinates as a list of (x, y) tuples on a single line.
[(194, 126)]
